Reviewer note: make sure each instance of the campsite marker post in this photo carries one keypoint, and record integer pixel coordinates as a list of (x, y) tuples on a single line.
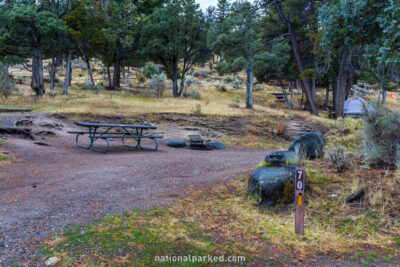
[(300, 178)]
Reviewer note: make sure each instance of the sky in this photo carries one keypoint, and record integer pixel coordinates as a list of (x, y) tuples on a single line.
[(206, 3)]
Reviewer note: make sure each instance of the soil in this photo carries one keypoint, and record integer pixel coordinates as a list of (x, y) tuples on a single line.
[(49, 187)]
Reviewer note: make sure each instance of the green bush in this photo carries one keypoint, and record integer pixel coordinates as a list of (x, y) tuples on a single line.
[(149, 71), (7, 85), (381, 137)]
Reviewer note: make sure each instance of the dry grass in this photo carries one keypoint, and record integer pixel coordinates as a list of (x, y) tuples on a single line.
[(226, 221)]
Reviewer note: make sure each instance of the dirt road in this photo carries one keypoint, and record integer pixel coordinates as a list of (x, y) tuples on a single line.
[(49, 187)]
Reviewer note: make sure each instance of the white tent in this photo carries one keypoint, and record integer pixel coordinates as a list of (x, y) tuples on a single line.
[(354, 107)]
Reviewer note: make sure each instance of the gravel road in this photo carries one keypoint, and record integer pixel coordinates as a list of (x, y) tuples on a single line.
[(49, 187)]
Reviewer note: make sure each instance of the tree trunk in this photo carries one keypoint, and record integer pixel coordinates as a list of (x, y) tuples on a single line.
[(341, 90), (34, 76), (182, 84), (296, 52), (117, 67), (117, 75), (39, 73), (302, 97), (327, 95), (89, 71), (175, 79), (53, 71), (109, 78), (291, 94), (123, 72), (284, 94), (70, 73), (249, 88), (67, 72), (384, 96), (380, 92), (349, 83)]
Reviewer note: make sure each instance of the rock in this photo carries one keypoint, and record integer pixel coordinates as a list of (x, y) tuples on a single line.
[(52, 125), (45, 133), (23, 123), (176, 143), (273, 185), (280, 158), (216, 145), (52, 260), (309, 145), (356, 196)]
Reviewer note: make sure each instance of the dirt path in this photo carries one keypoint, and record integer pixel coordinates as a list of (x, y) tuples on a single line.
[(49, 187)]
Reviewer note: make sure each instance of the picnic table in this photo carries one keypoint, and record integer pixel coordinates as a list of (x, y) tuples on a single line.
[(107, 131)]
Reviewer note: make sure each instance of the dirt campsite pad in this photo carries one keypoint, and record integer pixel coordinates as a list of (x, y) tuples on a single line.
[(50, 186)]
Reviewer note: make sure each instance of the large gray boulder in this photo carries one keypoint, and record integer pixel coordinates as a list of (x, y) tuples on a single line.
[(273, 185), (308, 146)]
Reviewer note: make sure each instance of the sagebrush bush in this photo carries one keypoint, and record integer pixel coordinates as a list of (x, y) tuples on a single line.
[(7, 85), (381, 137), (237, 83), (189, 81), (221, 87), (338, 160), (158, 84)]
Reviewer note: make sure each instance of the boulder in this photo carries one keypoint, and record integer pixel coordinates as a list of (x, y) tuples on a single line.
[(273, 185), (308, 146), (176, 143), (280, 158), (216, 145)]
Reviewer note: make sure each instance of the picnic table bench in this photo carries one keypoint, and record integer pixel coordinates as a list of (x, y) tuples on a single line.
[(126, 131)]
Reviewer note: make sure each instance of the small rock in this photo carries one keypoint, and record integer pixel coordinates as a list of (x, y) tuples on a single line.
[(53, 260)]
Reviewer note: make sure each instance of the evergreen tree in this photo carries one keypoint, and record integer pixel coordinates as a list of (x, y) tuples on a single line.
[(175, 34)]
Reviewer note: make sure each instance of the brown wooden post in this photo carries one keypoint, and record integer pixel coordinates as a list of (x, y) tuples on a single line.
[(300, 179)]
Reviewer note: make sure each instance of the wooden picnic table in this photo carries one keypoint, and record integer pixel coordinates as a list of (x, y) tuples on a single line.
[(113, 131)]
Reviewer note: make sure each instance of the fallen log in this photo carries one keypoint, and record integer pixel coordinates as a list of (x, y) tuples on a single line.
[(26, 132), (15, 109)]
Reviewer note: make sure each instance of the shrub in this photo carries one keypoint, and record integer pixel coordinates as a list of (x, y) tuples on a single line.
[(149, 71), (189, 81), (228, 79), (221, 88), (338, 160), (381, 137), (200, 73), (87, 85), (258, 87), (7, 85), (158, 84), (237, 83), (197, 109), (193, 94)]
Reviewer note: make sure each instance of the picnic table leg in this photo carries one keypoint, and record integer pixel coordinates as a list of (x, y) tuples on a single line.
[(93, 139), (79, 145)]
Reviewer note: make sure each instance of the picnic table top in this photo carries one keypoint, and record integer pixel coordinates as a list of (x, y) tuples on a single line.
[(95, 124)]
